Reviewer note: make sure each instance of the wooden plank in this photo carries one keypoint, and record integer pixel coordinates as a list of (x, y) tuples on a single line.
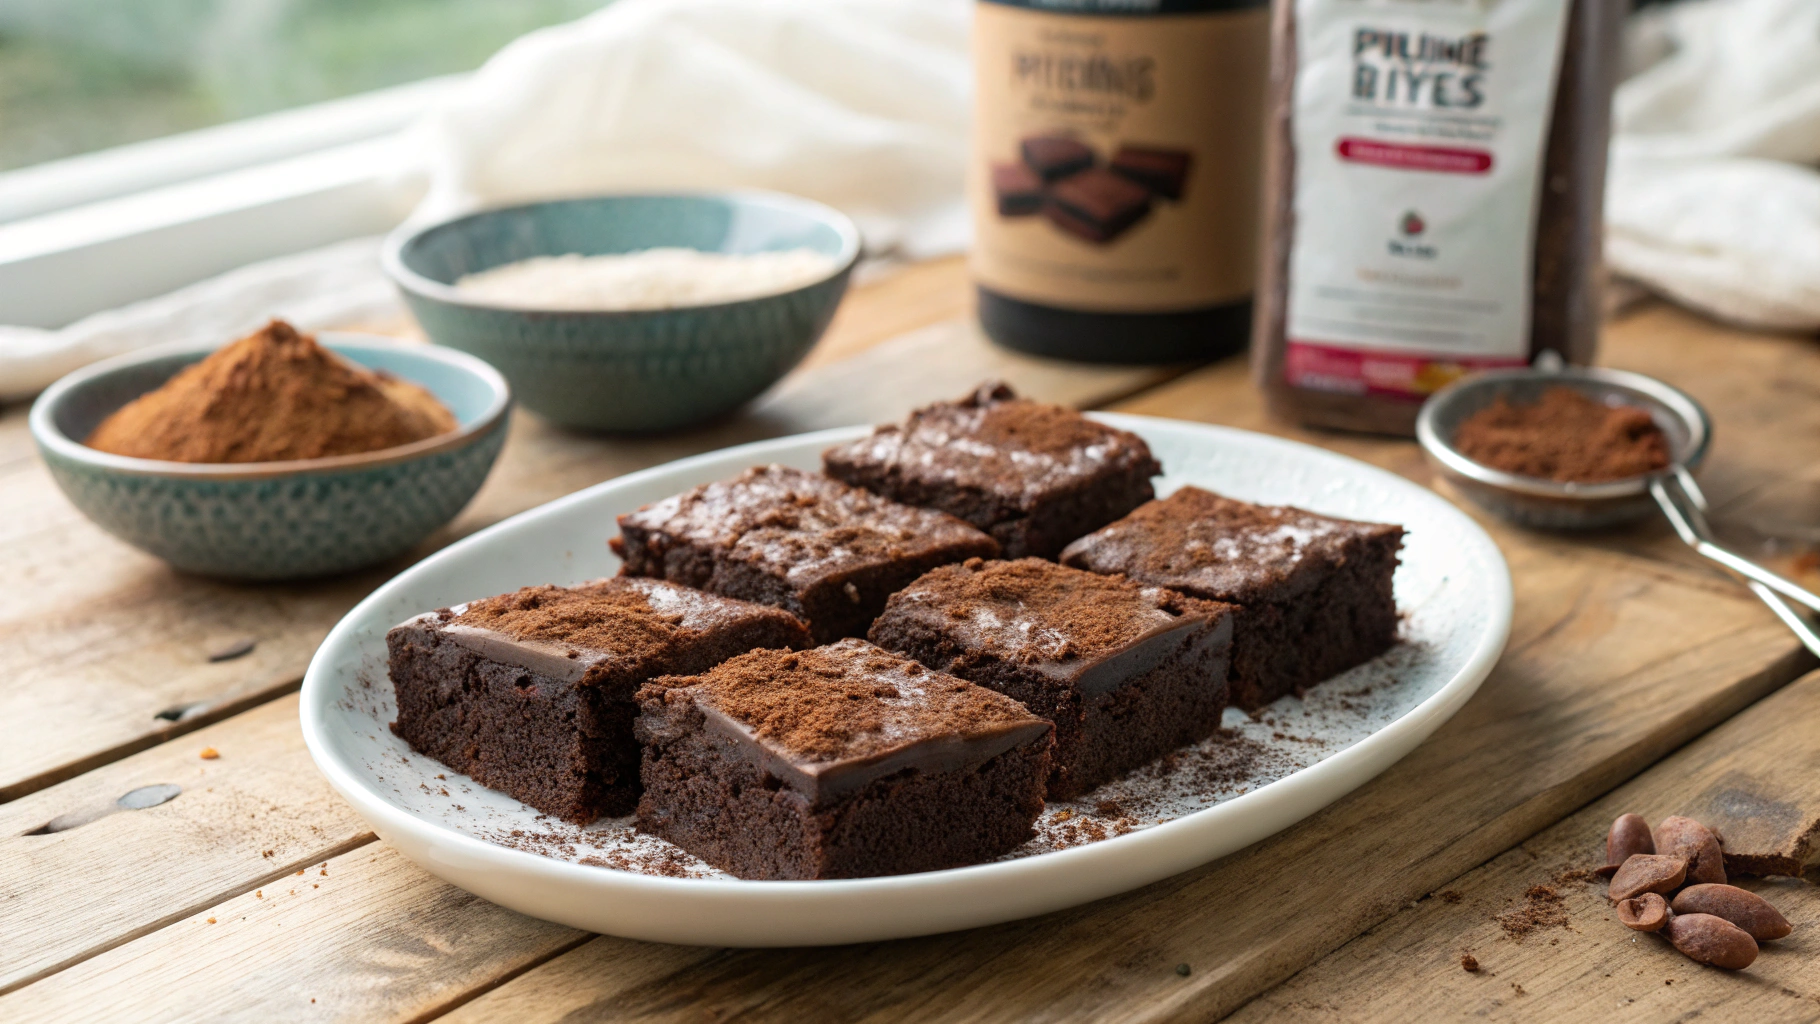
[(249, 817), (1592, 968), (102, 640), (373, 940), (603, 980), (1613, 662)]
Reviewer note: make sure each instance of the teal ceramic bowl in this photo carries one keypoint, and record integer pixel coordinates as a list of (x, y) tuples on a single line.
[(276, 520), (639, 370)]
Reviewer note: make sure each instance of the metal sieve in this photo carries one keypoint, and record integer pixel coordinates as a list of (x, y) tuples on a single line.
[(1550, 504)]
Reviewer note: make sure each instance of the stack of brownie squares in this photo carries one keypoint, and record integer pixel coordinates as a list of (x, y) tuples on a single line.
[(887, 667), (1061, 177)]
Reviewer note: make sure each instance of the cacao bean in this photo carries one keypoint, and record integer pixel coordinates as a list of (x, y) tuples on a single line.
[(1647, 872), (1629, 834), (1694, 843), (1741, 907), (1712, 940), (1645, 913)]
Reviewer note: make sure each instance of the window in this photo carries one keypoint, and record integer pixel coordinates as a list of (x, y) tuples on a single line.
[(83, 75), (147, 144)]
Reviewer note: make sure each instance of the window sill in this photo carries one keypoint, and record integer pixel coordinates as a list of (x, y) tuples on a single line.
[(102, 230)]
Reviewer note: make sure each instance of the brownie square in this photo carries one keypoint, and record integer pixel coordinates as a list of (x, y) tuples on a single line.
[(1018, 189), (1097, 205), (1054, 157), (1163, 171), (1034, 476), (1314, 592), (823, 551), (531, 693), (839, 762), (1125, 672)]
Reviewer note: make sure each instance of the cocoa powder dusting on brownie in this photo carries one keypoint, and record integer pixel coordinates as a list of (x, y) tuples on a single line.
[(993, 457), (995, 421), (1195, 529), (1564, 436), (847, 700), (796, 518), (1007, 421), (598, 618), (628, 618), (273, 396), (1042, 610)]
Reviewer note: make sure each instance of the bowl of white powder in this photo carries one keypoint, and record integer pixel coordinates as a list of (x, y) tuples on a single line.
[(632, 312)]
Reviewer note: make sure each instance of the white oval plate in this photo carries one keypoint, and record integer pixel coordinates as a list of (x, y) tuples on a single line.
[(1453, 589)]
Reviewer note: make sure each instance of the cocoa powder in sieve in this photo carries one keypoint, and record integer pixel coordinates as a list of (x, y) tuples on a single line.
[(1564, 436)]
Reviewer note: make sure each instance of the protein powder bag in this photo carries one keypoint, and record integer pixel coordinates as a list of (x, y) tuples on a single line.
[(1434, 184)]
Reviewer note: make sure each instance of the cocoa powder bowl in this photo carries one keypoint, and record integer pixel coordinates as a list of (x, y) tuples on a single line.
[(1550, 504), (275, 520)]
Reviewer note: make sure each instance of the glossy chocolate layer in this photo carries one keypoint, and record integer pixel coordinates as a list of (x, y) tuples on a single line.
[(826, 782), (801, 525), (869, 714), (1091, 633), (995, 443), (1203, 544), (624, 630)]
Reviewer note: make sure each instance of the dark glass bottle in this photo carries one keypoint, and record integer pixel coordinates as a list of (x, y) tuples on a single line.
[(1116, 174)]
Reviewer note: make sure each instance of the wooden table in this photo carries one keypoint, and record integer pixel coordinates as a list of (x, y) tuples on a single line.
[(1636, 679)]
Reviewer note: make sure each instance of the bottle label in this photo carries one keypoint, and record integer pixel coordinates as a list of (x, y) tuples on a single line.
[(1116, 152), (1419, 129)]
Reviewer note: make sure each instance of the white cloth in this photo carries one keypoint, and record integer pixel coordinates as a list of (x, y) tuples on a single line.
[(862, 104), (329, 287), (1714, 196)]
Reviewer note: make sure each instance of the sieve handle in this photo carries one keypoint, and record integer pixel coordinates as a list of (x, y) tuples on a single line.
[(1685, 506)]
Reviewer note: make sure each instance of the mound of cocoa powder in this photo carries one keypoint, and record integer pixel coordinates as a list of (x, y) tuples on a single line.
[(272, 396), (1564, 436)]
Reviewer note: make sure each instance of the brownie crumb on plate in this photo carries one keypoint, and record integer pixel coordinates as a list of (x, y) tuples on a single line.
[(531, 692), (818, 548), (843, 761), (1126, 672), (1314, 592), (1033, 475)]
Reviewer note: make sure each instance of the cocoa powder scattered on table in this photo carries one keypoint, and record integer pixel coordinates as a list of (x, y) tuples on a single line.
[(1564, 436), (272, 396), (1542, 908)]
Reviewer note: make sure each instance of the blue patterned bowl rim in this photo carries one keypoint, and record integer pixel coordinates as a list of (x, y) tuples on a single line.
[(46, 432), (391, 255)]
